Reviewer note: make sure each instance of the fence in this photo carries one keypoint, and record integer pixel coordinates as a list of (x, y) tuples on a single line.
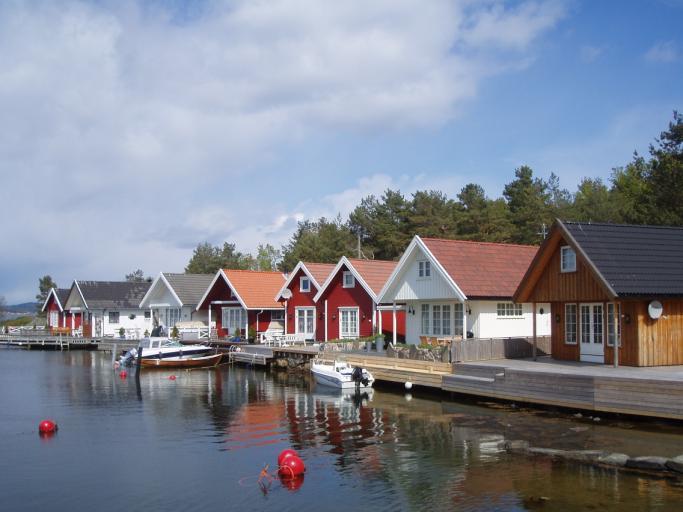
[(484, 349)]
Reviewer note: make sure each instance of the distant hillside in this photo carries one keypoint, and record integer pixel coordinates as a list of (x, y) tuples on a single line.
[(26, 307)]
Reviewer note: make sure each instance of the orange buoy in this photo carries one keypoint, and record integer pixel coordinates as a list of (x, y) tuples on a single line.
[(292, 467), (172, 377), (47, 427), (284, 454), (123, 374)]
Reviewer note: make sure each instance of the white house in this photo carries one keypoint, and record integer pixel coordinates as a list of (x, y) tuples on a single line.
[(107, 306), (173, 298), (453, 288)]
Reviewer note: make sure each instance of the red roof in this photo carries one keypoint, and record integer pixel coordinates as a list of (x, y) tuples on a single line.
[(375, 273), (257, 289), (320, 271), (483, 269)]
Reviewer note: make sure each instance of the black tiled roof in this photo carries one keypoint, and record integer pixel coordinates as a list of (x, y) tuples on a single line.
[(189, 287), (634, 260), (113, 294), (62, 295)]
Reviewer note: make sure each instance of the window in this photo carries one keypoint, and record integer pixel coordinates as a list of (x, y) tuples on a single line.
[(348, 322), (278, 315), (233, 319), (424, 269), (610, 324), (509, 309), (172, 317), (304, 284), (567, 259), (458, 328), (148, 315), (113, 317), (436, 319), (446, 319), (425, 319), (349, 280), (570, 324)]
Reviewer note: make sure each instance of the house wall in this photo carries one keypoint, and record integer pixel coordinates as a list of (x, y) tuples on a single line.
[(485, 322), (337, 297), (409, 286), (50, 310), (302, 299), (139, 323), (661, 340), (388, 324)]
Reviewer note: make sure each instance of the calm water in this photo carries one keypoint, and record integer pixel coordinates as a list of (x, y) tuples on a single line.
[(199, 443)]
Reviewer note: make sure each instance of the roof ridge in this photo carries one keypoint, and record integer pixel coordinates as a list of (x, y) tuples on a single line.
[(619, 225), (504, 244), (379, 261), (251, 271)]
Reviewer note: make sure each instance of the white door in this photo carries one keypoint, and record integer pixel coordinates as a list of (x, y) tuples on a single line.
[(348, 322), (54, 318), (592, 333), (305, 322)]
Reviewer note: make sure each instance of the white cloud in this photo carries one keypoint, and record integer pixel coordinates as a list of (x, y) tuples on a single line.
[(591, 53), (124, 125), (663, 51)]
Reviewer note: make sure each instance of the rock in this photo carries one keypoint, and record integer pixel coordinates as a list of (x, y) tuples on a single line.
[(548, 452), (584, 455), (614, 459), (596, 419), (652, 463), (578, 415), (675, 464)]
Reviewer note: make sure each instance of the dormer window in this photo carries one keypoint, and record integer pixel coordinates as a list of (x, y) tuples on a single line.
[(424, 269), (567, 259), (349, 280), (305, 284)]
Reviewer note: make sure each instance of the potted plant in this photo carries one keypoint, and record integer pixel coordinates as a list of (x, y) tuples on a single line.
[(175, 333), (122, 333)]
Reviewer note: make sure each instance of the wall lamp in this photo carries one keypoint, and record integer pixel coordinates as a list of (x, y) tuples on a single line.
[(557, 318)]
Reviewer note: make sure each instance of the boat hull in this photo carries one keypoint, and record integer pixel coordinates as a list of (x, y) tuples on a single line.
[(326, 377), (182, 362)]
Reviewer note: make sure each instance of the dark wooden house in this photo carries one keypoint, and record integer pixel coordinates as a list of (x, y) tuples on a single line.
[(610, 280)]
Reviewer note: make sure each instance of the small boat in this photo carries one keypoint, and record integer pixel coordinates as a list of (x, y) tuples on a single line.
[(340, 374), (163, 348), (186, 361)]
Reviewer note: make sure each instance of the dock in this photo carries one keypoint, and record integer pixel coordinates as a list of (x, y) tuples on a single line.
[(48, 342)]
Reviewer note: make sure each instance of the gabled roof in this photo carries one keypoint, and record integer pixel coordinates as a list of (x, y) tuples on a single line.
[(254, 289), (482, 269), (60, 295), (112, 294), (186, 288), (316, 272), (371, 274), (627, 260)]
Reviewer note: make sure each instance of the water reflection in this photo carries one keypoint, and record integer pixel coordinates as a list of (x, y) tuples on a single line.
[(200, 441)]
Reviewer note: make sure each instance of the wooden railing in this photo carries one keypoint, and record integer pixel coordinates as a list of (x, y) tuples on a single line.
[(484, 349)]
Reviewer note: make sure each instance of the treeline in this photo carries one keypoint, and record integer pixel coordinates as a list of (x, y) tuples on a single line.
[(648, 190)]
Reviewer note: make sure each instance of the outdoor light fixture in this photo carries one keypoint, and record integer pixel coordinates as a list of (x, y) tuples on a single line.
[(334, 317), (557, 318), (469, 310), (540, 311), (627, 318)]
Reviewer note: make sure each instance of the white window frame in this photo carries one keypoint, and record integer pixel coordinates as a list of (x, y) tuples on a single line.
[(449, 318), (576, 324), (226, 313), (509, 310), (566, 249), (424, 269), (425, 314), (349, 334), (302, 288), (351, 283)]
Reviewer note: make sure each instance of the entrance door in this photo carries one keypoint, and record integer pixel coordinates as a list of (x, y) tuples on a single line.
[(348, 322), (305, 322), (592, 333)]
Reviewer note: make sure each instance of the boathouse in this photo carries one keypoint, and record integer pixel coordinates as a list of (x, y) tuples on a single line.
[(102, 308), (301, 311), (242, 302), (53, 307), (598, 276), (456, 288), (347, 302), (173, 298)]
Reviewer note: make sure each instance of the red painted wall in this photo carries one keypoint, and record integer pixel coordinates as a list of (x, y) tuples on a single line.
[(301, 299), (337, 296), (52, 306), (388, 324)]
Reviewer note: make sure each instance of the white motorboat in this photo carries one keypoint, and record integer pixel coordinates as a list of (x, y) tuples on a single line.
[(340, 374), (163, 348)]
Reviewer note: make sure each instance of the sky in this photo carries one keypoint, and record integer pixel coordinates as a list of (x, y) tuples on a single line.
[(132, 131)]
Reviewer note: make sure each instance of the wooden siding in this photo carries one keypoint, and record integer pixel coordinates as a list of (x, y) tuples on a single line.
[(661, 341), (554, 285), (303, 299)]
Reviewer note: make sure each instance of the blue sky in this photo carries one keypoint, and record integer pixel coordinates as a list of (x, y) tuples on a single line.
[(133, 131)]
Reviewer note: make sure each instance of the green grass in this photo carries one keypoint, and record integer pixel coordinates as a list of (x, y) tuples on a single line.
[(17, 322)]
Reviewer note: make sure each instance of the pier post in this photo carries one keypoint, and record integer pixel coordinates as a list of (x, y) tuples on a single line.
[(393, 319), (533, 309), (615, 322)]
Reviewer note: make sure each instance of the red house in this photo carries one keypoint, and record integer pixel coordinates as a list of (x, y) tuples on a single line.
[(301, 311), (54, 310), (242, 302), (347, 301)]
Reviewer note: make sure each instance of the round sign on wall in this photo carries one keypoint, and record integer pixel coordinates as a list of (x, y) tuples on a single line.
[(655, 309)]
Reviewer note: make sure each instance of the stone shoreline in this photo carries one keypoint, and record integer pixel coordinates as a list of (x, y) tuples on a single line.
[(659, 465)]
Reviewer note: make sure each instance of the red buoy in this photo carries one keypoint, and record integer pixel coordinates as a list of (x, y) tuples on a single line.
[(172, 377), (123, 374), (284, 454), (292, 467), (47, 427), (292, 484)]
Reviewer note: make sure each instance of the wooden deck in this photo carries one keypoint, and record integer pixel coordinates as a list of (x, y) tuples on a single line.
[(652, 392)]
